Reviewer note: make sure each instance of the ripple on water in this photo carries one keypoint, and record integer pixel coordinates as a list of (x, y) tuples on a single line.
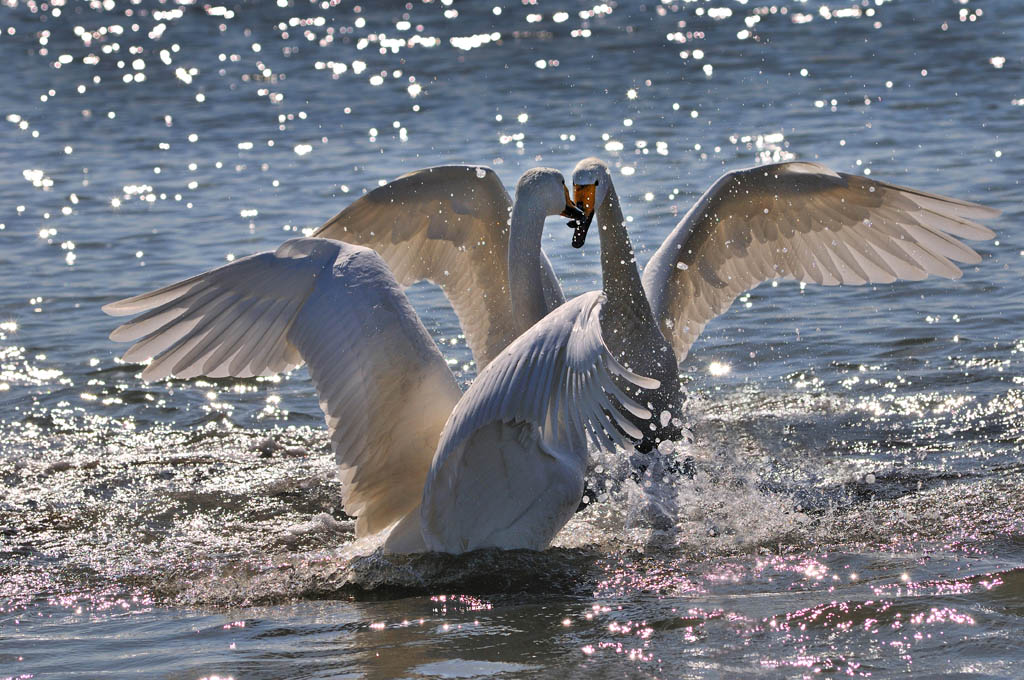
[(856, 502)]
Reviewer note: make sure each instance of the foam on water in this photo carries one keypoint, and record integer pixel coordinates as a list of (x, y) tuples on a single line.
[(226, 517)]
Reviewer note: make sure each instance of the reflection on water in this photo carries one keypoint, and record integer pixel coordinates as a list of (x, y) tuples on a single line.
[(856, 507)]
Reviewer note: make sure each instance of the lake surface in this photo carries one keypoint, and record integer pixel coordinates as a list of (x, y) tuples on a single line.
[(858, 507)]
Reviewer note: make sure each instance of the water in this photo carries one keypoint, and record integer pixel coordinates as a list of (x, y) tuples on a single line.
[(859, 501)]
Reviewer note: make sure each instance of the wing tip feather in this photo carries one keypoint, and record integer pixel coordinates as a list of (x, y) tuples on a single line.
[(120, 307)]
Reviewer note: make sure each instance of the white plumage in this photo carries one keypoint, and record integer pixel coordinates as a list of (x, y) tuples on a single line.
[(521, 432), (806, 222), (384, 387)]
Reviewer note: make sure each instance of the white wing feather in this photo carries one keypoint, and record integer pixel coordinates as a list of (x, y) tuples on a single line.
[(382, 383), (512, 456), (447, 225), (801, 221)]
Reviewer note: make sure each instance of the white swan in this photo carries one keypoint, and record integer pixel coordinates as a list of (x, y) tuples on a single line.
[(500, 466), (456, 226), (793, 220)]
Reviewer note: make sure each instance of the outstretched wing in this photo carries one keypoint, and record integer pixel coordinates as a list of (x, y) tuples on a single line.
[(447, 225), (802, 221), (509, 468), (382, 383)]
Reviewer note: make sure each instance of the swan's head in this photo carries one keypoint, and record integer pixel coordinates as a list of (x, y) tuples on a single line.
[(591, 181), (545, 189)]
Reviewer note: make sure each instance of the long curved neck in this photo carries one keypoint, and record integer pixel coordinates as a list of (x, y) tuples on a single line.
[(628, 325), (621, 279), (525, 276)]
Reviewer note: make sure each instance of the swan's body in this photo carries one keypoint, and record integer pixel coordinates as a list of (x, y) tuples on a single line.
[(790, 220)]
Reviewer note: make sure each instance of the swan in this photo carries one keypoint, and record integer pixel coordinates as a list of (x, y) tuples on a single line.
[(456, 226), (795, 220), (500, 466)]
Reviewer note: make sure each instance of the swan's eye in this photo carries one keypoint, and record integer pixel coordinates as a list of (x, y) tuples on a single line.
[(596, 182)]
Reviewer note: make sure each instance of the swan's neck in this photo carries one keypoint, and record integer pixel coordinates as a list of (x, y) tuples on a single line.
[(627, 323), (621, 280), (526, 283)]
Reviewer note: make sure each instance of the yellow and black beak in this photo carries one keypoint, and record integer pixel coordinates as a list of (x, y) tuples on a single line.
[(585, 195), (571, 211)]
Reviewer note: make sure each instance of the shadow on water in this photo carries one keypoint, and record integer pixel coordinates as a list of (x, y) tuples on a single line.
[(339, 575)]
